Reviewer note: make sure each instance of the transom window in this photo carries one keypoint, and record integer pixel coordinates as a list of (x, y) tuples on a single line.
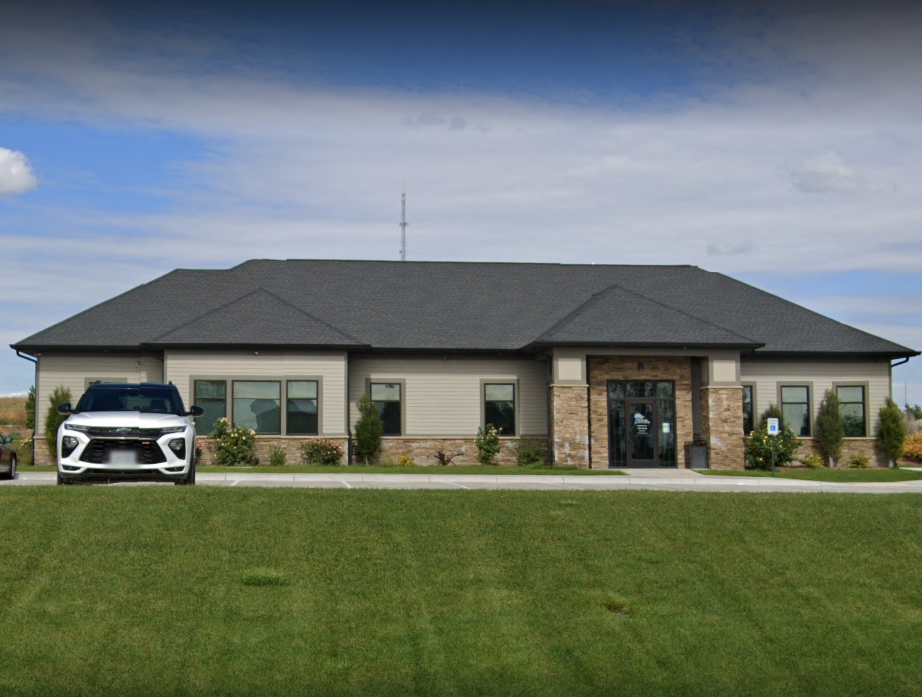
[(302, 408), (748, 413), (258, 405), (499, 407), (795, 407), (386, 397), (851, 407)]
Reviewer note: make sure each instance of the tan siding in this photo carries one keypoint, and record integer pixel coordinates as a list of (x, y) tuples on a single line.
[(768, 375), (72, 370), (443, 396), (182, 366)]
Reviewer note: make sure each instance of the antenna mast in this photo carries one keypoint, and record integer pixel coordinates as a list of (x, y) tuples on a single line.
[(403, 227)]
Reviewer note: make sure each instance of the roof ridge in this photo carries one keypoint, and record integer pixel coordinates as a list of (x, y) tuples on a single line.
[(584, 306), (258, 289)]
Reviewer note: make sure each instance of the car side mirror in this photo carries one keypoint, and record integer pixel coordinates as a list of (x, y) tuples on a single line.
[(195, 411), (8, 440), (65, 409)]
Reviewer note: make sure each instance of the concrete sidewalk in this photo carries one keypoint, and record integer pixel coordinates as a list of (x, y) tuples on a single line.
[(656, 480)]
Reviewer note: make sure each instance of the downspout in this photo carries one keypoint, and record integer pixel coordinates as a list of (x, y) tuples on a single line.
[(892, 366), (35, 401)]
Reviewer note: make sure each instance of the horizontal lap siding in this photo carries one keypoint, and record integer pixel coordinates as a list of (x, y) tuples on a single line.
[(443, 397), (768, 375), (72, 370), (182, 366)]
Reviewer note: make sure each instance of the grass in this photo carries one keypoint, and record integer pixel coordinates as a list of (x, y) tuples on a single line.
[(144, 590), (827, 475), (13, 411)]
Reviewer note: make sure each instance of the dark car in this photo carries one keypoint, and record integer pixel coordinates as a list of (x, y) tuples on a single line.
[(7, 458)]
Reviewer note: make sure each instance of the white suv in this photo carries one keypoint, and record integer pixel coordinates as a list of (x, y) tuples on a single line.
[(137, 432)]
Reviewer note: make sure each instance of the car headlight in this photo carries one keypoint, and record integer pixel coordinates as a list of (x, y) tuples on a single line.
[(75, 427), (68, 445)]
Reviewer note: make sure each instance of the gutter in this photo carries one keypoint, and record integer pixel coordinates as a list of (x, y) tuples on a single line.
[(35, 401)]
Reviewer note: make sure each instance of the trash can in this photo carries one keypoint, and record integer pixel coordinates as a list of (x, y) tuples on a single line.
[(696, 454)]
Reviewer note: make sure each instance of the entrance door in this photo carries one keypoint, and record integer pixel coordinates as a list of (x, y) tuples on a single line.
[(641, 433)]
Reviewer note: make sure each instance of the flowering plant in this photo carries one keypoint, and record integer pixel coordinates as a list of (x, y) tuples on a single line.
[(322, 452), (487, 443), (235, 446), (759, 443)]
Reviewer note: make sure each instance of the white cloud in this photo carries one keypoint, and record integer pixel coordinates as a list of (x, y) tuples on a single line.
[(824, 174), (24, 393), (16, 175)]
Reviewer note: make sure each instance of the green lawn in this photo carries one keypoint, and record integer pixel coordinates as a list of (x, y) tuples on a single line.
[(200, 591), (828, 475)]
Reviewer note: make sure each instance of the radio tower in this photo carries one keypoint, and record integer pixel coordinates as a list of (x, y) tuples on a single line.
[(403, 227)]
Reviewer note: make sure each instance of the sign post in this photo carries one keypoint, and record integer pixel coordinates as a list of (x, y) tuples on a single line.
[(773, 428)]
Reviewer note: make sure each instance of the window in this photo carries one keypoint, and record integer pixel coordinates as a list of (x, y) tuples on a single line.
[(748, 413), (499, 407), (851, 406), (386, 397), (301, 408), (795, 407), (258, 405), (210, 395)]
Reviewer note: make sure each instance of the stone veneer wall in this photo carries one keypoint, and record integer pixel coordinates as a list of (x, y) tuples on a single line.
[(43, 456), (423, 450), (605, 368), (570, 425), (722, 427), (853, 446), (291, 444)]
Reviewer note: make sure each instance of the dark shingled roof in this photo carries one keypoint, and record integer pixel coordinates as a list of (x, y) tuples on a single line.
[(454, 306)]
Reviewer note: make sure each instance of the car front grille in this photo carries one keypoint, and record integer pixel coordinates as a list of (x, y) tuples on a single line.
[(98, 450), (123, 432)]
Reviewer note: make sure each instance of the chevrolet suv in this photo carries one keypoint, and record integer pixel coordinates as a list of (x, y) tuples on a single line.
[(136, 432)]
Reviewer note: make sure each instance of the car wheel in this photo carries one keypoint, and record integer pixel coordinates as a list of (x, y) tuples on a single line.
[(189, 479), (61, 480), (12, 474)]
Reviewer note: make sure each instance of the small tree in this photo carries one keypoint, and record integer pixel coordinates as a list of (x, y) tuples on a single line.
[(53, 419), (891, 431), (830, 429), (30, 408), (368, 430)]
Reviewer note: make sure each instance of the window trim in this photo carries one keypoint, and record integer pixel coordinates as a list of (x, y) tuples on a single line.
[(810, 409), (516, 400), (229, 381), (377, 380), (192, 381), (867, 402), (755, 410)]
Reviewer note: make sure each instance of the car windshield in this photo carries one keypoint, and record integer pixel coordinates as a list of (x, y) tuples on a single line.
[(148, 400)]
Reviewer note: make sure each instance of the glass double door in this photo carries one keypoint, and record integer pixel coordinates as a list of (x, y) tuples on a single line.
[(641, 423), (641, 429)]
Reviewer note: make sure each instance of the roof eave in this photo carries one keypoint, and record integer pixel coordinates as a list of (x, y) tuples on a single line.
[(905, 353), (643, 345)]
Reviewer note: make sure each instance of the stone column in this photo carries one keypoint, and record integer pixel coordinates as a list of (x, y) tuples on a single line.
[(722, 426), (570, 425)]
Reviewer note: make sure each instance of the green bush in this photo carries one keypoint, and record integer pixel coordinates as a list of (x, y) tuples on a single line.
[(759, 443), (60, 395), (859, 461), (813, 461), (30, 408), (529, 452), (277, 456), (830, 429), (487, 443), (23, 449), (322, 452), (233, 446), (891, 431), (368, 430)]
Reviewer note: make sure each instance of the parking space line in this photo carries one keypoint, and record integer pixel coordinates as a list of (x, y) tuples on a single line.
[(346, 484), (466, 488)]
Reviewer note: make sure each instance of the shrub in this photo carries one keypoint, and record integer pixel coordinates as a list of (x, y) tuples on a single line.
[(30, 408), (891, 431), (487, 443), (830, 429), (278, 457), (234, 446), (813, 461), (405, 461), (444, 458), (529, 452), (859, 461), (322, 452), (912, 447), (23, 451), (368, 430), (759, 444), (60, 395), (199, 450)]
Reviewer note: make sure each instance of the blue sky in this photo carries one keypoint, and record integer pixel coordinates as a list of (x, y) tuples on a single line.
[(779, 144)]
